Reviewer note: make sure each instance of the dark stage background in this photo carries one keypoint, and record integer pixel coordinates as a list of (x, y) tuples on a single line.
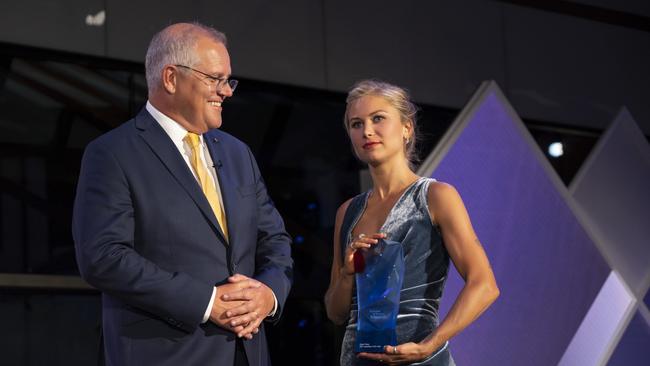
[(53, 103), (72, 70)]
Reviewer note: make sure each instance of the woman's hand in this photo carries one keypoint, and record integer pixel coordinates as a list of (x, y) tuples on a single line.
[(405, 353), (361, 242)]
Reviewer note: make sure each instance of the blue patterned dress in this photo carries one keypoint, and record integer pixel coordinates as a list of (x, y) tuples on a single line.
[(426, 264)]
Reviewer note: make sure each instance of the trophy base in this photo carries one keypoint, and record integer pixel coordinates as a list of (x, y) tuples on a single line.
[(374, 341)]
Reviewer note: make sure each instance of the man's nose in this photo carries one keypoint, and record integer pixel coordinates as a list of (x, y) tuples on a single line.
[(225, 91)]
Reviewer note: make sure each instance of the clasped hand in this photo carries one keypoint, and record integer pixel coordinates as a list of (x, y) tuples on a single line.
[(241, 305), (405, 353)]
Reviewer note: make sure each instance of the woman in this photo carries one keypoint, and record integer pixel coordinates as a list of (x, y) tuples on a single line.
[(426, 216)]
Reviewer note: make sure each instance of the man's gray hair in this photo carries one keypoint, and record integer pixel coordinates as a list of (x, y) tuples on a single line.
[(176, 45)]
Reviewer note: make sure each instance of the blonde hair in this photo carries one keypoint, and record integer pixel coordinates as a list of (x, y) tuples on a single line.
[(398, 97)]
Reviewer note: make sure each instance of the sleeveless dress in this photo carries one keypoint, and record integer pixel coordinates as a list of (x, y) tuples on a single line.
[(426, 263)]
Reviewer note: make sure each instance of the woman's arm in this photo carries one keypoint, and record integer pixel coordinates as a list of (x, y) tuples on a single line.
[(339, 292), (480, 290), (448, 211)]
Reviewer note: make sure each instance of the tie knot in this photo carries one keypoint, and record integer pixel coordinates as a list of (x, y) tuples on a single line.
[(192, 139)]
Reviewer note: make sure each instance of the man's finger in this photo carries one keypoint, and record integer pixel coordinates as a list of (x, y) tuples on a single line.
[(237, 329), (243, 295), (244, 319), (239, 310), (249, 329), (242, 285), (238, 277)]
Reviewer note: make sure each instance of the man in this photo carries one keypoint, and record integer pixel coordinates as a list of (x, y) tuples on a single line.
[(173, 223)]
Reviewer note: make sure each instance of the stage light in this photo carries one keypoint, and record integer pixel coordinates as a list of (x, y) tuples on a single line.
[(556, 149), (299, 239), (311, 206)]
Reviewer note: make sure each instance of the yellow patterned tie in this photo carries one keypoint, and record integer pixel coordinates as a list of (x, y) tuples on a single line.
[(207, 185)]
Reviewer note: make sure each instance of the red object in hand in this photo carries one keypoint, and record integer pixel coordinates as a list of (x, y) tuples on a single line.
[(359, 262)]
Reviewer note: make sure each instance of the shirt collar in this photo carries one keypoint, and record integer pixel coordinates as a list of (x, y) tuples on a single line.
[(174, 130)]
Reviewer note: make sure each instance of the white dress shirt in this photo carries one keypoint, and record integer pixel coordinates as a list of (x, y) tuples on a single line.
[(177, 134)]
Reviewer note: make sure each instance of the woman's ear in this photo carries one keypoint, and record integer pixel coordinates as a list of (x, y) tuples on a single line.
[(407, 130)]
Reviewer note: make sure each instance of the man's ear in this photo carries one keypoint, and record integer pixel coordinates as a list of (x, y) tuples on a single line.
[(169, 79)]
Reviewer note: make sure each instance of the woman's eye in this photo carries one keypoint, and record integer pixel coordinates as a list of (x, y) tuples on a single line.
[(377, 118), (355, 124)]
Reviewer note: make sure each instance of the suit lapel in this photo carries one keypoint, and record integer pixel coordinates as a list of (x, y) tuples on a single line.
[(217, 153), (154, 135)]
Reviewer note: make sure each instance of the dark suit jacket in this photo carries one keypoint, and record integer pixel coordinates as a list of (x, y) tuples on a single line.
[(145, 236)]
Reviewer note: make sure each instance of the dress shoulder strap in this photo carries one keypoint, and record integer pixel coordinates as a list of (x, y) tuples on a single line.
[(351, 214)]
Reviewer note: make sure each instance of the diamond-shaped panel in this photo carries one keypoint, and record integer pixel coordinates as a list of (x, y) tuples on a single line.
[(546, 265), (599, 330), (634, 347), (612, 190)]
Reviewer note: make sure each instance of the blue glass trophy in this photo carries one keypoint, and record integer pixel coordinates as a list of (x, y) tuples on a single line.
[(378, 290)]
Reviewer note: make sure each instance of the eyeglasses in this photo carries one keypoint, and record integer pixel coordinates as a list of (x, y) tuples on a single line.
[(218, 83)]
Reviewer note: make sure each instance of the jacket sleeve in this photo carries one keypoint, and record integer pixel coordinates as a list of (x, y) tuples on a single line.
[(104, 231), (273, 263)]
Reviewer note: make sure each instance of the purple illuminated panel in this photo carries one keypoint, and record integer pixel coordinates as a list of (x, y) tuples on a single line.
[(634, 347), (646, 300), (547, 268), (601, 327)]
